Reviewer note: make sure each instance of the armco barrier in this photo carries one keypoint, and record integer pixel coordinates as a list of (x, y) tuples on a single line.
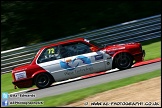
[(132, 31)]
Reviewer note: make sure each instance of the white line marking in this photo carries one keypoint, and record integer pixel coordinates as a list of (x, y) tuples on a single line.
[(129, 22), (67, 80), (112, 70), (19, 91), (12, 50)]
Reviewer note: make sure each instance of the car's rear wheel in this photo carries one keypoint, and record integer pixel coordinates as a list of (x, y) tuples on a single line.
[(123, 61), (43, 80)]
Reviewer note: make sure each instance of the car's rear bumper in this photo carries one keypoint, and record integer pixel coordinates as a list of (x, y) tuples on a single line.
[(139, 57), (23, 83)]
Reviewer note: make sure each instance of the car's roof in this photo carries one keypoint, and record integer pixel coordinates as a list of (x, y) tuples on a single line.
[(63, 42)]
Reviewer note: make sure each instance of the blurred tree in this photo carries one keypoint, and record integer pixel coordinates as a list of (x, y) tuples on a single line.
[(26, 22)]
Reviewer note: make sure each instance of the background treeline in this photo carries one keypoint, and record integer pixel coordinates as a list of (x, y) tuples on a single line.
[(25, 22)]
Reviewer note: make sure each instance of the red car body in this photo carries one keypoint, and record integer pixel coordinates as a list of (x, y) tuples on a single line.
[(134, 50)]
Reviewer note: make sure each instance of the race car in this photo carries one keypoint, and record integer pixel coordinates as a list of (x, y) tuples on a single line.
[(73, 58)]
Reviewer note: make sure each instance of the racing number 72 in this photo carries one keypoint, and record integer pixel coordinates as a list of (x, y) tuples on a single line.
[(51, 51)]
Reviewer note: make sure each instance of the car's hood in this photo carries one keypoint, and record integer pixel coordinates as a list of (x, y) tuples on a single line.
[(21, 68)]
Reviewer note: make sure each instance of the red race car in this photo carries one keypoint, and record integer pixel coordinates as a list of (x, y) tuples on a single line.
[(74, 58)]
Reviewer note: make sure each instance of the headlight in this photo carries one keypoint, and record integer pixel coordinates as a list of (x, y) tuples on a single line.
[(20, 75)]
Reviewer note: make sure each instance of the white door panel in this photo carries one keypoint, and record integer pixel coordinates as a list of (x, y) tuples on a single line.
[(53, 67), (100, 60), (74, 66), (78, 65)]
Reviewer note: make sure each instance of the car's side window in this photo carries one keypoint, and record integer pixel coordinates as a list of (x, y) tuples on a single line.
[(49, 54), (82, 48), (73, 49)]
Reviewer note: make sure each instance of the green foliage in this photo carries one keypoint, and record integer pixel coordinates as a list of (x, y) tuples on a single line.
[(26, 22)]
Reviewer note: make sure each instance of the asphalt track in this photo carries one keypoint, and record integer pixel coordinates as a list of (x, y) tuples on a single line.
[(88, 82)]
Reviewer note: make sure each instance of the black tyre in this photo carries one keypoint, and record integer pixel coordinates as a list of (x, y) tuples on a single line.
[(123, 61), (43, 80)]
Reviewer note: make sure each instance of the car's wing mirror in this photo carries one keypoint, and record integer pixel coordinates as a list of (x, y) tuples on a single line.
[(93, 49)]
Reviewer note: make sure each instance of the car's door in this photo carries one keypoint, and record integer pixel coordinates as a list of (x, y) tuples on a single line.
[(101, 61), (61, 62), (76, 61), (72, 60), (80, 60), (49, 60)]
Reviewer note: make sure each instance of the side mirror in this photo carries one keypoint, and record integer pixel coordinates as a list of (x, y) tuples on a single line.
[(93, 49)]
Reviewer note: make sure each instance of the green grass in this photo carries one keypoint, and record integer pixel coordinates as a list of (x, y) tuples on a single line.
[(70, 97), (153, 50), (151, 47)]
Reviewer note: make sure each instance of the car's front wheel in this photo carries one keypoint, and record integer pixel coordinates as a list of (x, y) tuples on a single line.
[(123, 61), (43, 80)]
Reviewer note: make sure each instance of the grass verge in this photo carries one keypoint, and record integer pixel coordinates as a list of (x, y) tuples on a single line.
[(151, 47), (67, 98)]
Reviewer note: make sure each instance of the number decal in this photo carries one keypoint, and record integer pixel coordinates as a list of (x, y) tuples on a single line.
[(51, 51), (20, 75)]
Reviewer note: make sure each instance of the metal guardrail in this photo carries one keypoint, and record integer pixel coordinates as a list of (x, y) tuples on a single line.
[(132, 31)]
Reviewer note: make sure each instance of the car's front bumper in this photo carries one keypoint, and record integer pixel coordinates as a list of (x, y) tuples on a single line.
[(23, 83)]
